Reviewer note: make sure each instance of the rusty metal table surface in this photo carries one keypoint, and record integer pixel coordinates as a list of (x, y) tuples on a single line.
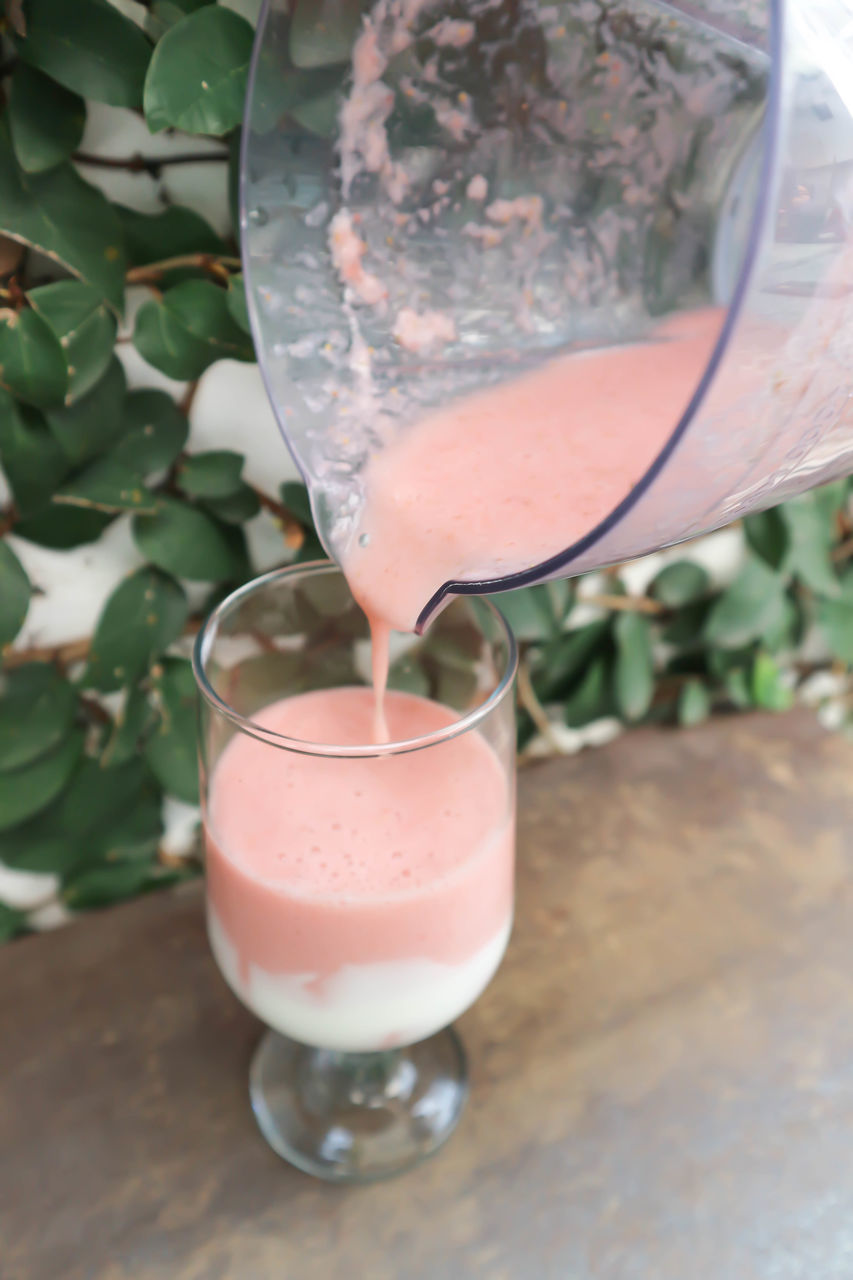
[(662, 1069)]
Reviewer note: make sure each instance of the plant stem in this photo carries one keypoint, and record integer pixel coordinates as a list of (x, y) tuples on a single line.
[(186, 401), (294, 531), (63, 654), (533, 707), (94, 709), (201, 261), (151, 165), (844, 550), (626, 604)]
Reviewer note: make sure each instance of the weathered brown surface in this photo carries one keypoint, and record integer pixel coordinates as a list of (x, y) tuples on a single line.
[(662, 1070)]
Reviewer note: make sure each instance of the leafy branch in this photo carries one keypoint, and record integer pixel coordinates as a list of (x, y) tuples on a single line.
[(626, 604), (220, 267), (152, 165), (295, 531), (61, 655)]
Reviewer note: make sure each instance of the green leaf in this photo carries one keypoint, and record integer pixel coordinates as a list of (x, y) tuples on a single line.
[(237, 508), (835, 619), (318, 115), (89, 47), (164, 341), (786, 632), (529, 612), (33, 366), (32, 460), (12, 922), (768, 691), (85, 327), (752, 605), (90, 425), (130, 726), (65, 218), (107, 485), (171, 750), (15, 592), (85, 822), (98, 796), (323, 31), (633, 675), (196, 80), (311, 549), (685, 629), (694, 703), (258, 681), (189, 329), (812, 536), (738, 687), (237, 306), (34, 850), (165, 13), (186, 542), (560, 663), (563, 596), (831, 500), (41, 844), (211, 475), (202, 308), (278, 90), (408, 676), (104, 885), (36, 712), (453, 686), (767, 534), (154, 237), (46, 121), (592, 699), (134, 835), (142, 617), (24, 792), (63, 527), (232, 181), (680, 583), (154, 431), (295, 497)]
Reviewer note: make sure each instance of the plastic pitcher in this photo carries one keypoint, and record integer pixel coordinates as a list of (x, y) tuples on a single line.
[(641, 160)]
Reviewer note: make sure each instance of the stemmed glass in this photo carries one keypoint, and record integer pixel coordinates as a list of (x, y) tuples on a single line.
[(359, 895)]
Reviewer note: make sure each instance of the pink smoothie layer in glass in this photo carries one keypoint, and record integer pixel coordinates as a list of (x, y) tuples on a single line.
[(502, 480), (359, 902)]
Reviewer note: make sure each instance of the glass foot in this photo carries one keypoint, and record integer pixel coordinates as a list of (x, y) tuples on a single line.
[(356, 1117)]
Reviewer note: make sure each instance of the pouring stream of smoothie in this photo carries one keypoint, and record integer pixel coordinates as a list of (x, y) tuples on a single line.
[(380, 636)]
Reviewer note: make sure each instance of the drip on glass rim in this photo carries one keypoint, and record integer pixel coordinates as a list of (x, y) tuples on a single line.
[(207, 636)]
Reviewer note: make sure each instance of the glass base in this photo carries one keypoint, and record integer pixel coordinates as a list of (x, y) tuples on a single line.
[(357, 1117)]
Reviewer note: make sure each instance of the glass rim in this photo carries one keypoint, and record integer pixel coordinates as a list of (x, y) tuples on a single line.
[(206, 638)]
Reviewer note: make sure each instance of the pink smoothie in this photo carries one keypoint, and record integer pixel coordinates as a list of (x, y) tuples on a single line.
[(317, 864), (506, 478)]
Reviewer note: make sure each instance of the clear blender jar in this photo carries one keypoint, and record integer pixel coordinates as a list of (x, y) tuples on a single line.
[(642, 160)]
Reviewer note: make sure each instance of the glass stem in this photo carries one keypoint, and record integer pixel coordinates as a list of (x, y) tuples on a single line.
[(359, 1077)]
